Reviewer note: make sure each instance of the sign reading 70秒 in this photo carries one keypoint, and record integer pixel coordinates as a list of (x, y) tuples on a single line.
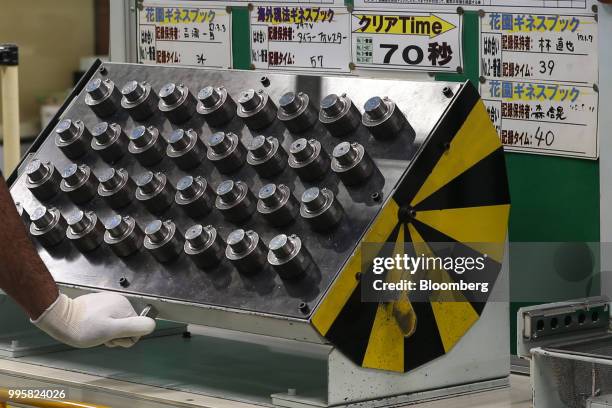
[(407, 41)]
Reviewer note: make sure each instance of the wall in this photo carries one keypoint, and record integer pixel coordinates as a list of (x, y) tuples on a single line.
[(605, 129), (52, 37), (554, 200)]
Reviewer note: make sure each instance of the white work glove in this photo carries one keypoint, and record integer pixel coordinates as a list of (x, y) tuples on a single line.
[(94, 319)]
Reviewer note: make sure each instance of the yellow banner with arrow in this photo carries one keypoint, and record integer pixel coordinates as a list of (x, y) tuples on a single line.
[(426, 25)]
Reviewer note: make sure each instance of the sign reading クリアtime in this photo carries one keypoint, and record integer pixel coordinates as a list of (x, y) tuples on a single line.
[(430, 25), (407, 41)]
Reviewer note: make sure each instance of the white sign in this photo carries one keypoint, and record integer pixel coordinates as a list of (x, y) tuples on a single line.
[(544, 118), (538, 75), (539, 47), (186, 33), (407, 41), (300, 38), (575, 6)]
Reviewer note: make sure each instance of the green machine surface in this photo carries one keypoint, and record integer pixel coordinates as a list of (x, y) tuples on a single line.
[(554, 199)]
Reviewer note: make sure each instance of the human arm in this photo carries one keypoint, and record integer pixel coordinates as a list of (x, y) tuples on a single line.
[(89, 320)]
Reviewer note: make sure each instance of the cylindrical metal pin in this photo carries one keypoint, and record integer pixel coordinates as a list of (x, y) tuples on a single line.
[(147, 146), (116, 187), (185, 148), (79, 183), (339, 115), (308, 159), (176, 102), (246, 251), (85, 230), (216, 105), (296, 112), (204, 246), (352, 163), (226, 152), (123, 235), (102, 96), (48, 226), (42, 179), (163, 240), (383, 118), (288, 256), (139, 100), (277, 205), (321, 209), (256, 109), (235, 201)]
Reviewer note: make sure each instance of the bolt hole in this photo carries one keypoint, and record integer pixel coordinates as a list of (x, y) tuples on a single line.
[(540, 325), (554, 323), (124, 282), (303, 307), (581, 318), (568, 320), (594, 317)]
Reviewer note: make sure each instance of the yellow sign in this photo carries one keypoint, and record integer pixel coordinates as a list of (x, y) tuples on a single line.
[(430, 25)]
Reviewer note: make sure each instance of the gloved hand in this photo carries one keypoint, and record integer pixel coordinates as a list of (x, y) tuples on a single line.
[(94, 319)]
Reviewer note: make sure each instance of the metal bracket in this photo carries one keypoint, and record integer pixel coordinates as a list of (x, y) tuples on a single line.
[(587, 314), (545, 325)]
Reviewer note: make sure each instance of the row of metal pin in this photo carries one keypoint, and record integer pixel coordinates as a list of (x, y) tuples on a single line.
[(202, 244), (233, 199), (225, 150), (336, 112)]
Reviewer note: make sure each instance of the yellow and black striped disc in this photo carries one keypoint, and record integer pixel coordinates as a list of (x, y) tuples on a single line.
[(455, 191)]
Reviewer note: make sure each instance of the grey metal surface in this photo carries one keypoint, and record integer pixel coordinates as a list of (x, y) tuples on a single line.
[(604, 401), (600, 347), (519, 365), (288, 400), (231, 319), (481, 355), (422, 103), (566, 380), (215, 366), (604, 26)]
